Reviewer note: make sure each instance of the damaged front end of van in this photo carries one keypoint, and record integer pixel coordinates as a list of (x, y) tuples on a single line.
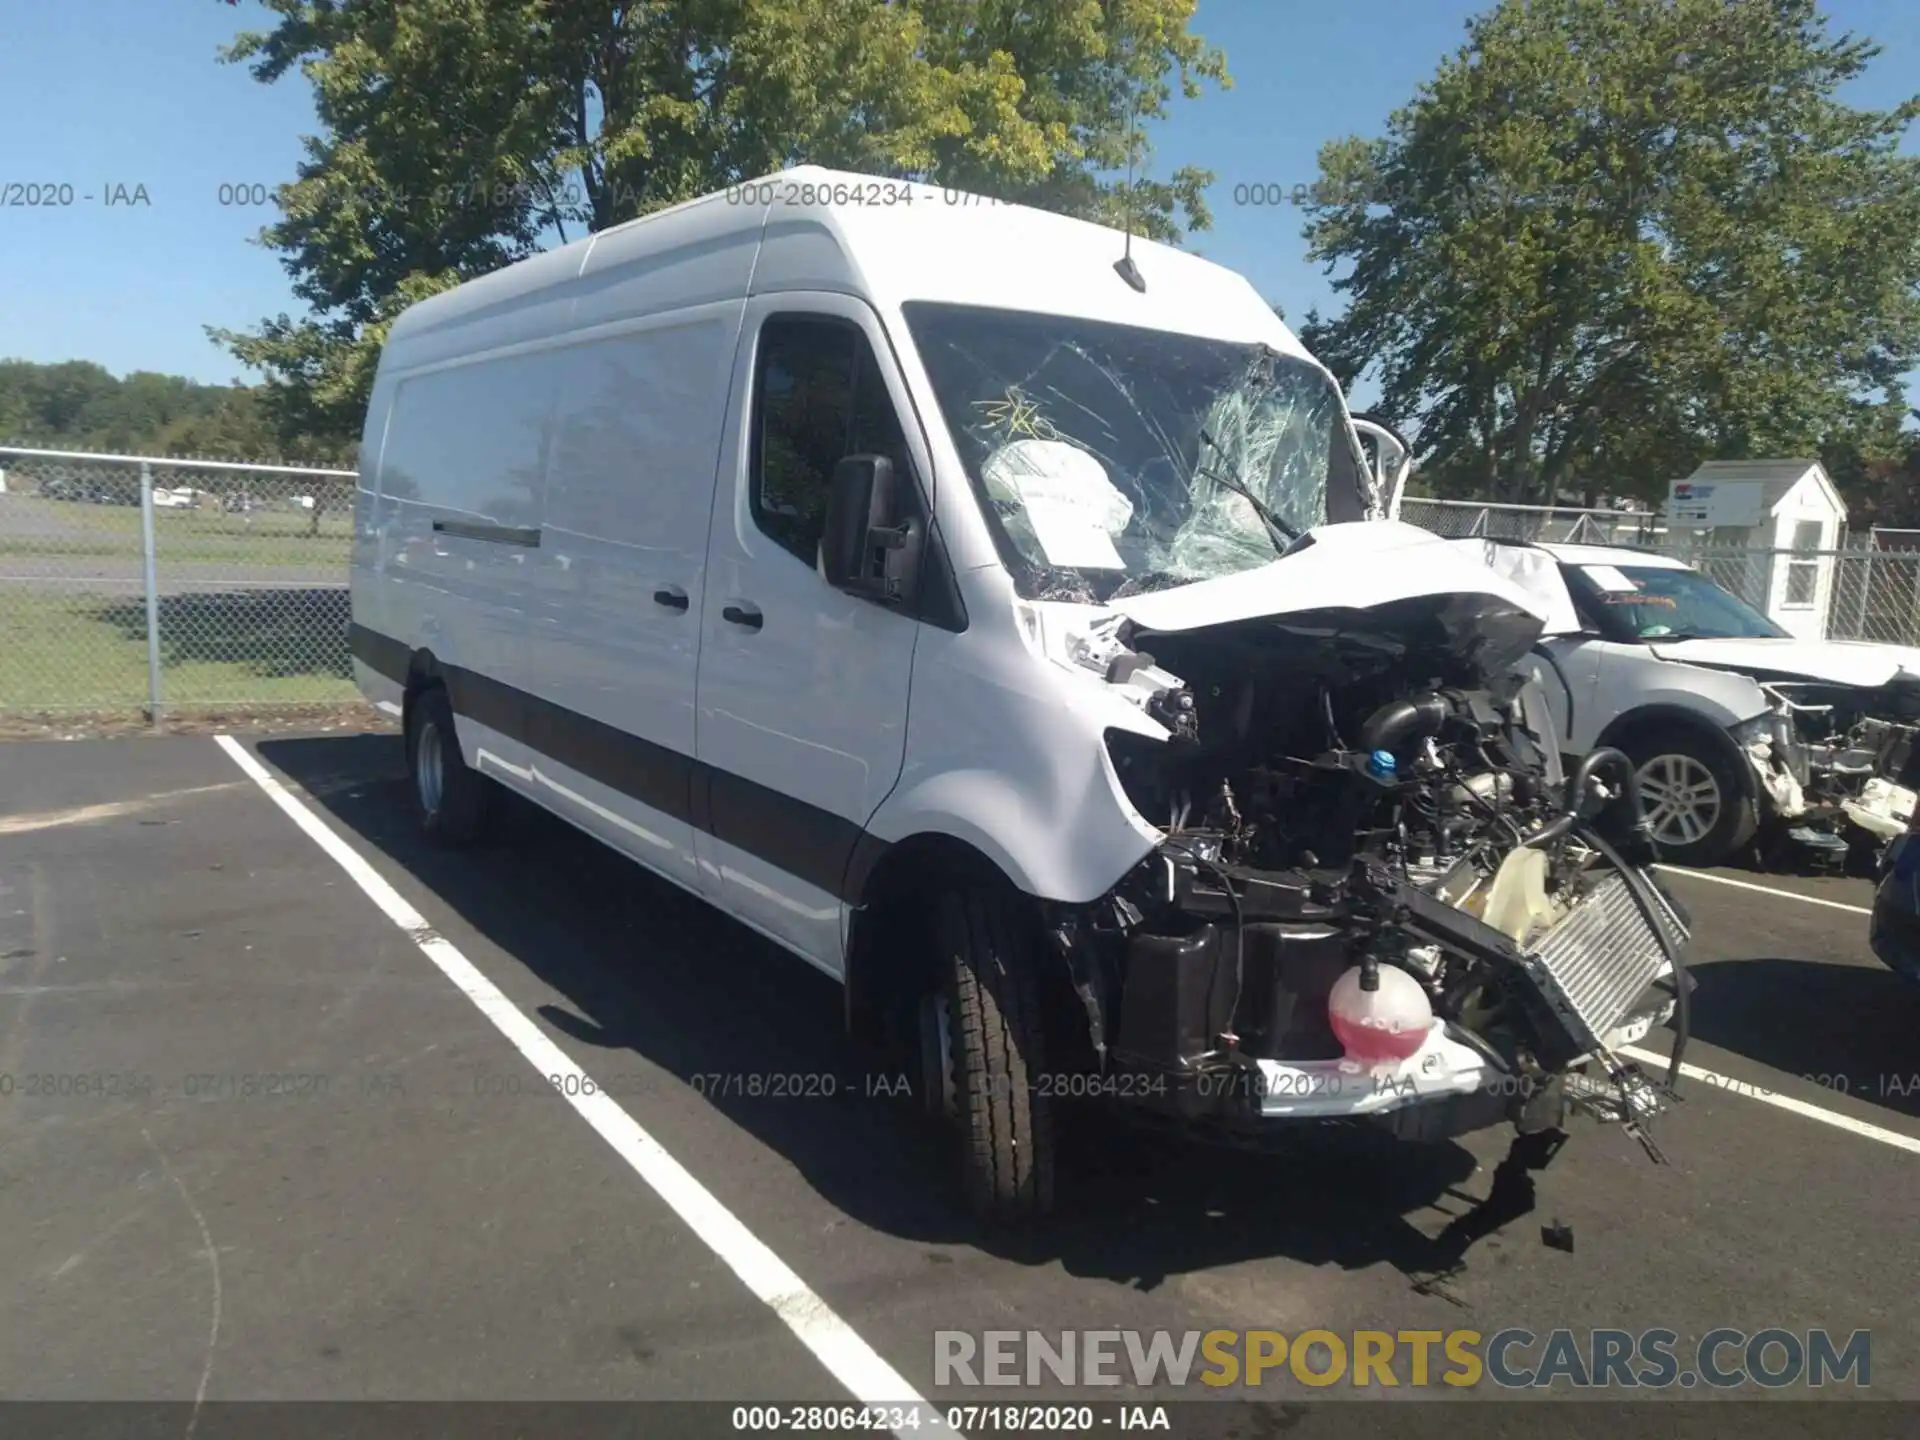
[(1358, 886), (1376, 897)]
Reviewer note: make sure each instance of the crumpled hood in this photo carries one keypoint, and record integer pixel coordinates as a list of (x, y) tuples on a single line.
[(1834, 662), (1359, 565)]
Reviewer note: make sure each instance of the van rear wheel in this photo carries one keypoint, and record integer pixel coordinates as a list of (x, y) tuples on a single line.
[(983, 1058), (456, 803)]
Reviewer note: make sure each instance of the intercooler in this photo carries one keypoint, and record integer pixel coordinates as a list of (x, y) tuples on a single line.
[(1592, 968)]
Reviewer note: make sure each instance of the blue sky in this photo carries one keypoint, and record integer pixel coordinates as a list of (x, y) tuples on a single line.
[(129, 93)]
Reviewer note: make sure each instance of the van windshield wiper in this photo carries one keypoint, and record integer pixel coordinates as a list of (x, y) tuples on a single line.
[(1281, 533)]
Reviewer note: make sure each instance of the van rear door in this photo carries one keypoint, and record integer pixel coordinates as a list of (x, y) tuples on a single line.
[(802, 704)]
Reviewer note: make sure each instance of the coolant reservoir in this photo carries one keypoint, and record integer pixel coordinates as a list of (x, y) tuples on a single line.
[(1518, 905), (1381, 1026)]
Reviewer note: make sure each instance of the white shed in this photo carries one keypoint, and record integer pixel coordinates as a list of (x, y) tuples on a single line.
[(1785, 515)]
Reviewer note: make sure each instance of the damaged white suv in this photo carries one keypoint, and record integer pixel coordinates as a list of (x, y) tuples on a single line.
[(1739, 731)]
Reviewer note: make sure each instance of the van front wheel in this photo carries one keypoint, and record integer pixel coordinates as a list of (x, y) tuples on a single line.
[(984, 1058), (456, 804)]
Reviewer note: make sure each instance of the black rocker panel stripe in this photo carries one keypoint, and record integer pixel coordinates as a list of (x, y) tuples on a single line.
[(826, 850), (381, 654)]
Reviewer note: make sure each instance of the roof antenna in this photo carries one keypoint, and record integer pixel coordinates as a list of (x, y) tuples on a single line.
[(1124, 266)]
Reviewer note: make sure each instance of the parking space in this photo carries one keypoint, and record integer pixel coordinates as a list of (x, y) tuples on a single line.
[(1790, 997), (249, 1143), (277, 1149)]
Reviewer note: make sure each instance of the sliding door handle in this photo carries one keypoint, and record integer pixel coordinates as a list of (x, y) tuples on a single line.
[(747, 615), (671, 596)]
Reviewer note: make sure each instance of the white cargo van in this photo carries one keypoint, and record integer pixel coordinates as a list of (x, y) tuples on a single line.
[(1002, 617)]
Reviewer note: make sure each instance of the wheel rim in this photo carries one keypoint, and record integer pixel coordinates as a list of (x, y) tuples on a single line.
[(936, 1058), (1680, 799), (430, 767)]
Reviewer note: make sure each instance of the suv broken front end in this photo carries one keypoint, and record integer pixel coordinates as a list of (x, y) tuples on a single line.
[(1377, 897), (1837, 763)]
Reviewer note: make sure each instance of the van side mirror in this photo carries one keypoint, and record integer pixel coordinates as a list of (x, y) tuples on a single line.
[(871, 545)]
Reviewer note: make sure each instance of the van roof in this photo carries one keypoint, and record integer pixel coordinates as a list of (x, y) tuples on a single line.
[(890, 241)]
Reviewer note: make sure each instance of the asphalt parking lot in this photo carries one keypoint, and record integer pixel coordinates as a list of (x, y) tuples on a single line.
[(258, 1141)]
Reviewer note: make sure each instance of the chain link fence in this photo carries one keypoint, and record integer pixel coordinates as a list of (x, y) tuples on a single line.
[(1868, 590), (1864, 593), (143, 584), (1553, 524), (1876, 596), (132, 583)]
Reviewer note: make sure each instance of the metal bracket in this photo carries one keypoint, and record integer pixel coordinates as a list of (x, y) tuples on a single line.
[(1629, 1099), (1068, 945)]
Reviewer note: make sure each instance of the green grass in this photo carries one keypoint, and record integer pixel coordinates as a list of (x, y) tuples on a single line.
[(240, 550), (255, 647), (31, 525)]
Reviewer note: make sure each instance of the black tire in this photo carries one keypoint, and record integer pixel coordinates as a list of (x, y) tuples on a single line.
[(460, 809), (987, 990), (1687, 751)]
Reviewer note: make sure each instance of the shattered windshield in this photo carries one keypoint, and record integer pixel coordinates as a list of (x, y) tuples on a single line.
[(1114, 459)]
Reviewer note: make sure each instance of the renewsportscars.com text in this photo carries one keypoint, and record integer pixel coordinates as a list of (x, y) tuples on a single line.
[(1771, 1358)]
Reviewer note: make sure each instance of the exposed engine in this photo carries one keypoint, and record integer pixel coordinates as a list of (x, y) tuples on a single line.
[(1346, 795)]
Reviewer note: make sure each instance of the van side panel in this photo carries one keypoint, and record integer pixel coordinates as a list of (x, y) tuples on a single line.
[(549, 482), (462, 470), (614, 624), (378, 669)]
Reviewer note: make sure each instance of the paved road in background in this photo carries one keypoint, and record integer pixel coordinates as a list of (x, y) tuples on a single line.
[(414, 1213)]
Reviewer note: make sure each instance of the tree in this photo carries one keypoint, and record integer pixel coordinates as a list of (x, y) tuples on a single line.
[(52, 404), (232, 424), (1880, 476), (1612, 238), (140, 406), (461, 135), (78, 405)]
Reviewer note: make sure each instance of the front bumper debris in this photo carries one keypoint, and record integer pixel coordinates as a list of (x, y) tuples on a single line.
[(1597, 981), (1838, 794)]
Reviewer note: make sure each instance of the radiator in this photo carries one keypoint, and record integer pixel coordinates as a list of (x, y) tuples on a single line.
[(1597, 962)]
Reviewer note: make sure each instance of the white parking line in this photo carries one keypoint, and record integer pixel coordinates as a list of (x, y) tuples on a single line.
[(1744, 1087), (1775, 1098), (848, 1358), (1763, 889)]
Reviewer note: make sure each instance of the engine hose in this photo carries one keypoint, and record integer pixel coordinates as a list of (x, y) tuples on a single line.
[(1575, 793), (1239, 961), (1239, 947), (1552, 831), (1640, 888), (1582, 776), (1400, 720)]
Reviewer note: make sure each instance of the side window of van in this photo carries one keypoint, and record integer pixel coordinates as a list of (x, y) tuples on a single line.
[(818, 396)]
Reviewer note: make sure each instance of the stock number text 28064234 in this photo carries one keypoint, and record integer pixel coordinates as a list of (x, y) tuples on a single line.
[(878, 194), (1073, 1085)]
